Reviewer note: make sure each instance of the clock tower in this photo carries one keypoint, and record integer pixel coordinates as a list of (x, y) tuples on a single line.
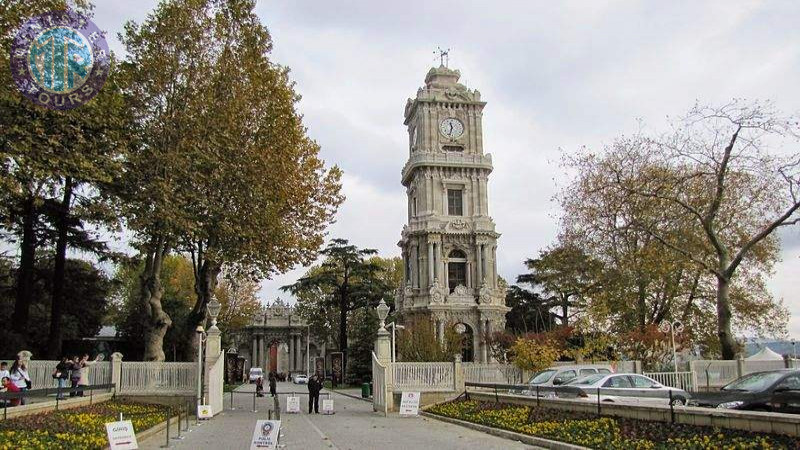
[(449, 244)]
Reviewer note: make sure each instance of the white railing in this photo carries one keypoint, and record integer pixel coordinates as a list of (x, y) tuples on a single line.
[(422, 376), (41, 373), (158, 377), (760, 366), (492, 373), (378, 386), (618, 366), (680, 380), (714, 373)]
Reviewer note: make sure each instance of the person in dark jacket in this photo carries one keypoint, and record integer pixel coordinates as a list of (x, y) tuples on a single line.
[(273, 384), (61, 374), (314, 386), (260, 386)]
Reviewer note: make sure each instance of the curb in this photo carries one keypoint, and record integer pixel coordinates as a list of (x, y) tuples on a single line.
[(511, 435), (352, 396), (154, 430)]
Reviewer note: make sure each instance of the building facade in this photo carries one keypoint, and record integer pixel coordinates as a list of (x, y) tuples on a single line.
[(277, 340), (449, 245)]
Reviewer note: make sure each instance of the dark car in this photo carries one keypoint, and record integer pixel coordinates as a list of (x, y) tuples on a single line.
[(774, 390)]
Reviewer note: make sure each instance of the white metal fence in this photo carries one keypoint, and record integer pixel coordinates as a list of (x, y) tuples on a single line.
[(713, 374), (492, 373), (618, 366), (41, 373), (422, 376), (158, 377), (680, 380)]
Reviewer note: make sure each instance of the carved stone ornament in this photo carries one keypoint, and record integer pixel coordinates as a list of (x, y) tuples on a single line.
[(461, 290), (459, 224), (436, 292), (484, 295), (456, 94)]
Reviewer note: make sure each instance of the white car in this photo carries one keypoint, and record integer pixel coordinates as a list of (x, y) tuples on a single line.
[(299, 379), (623, 388), (255, 374)]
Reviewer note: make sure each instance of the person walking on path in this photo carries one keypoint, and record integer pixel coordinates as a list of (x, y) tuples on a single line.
[(61, 374), (273, 384), (314, 386), (260, 386), (19, 376)]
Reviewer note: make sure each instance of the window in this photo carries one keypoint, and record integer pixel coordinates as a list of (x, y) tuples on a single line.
[(618, 382), (454, 202), (606, 371), (564, 377), (791, 383), (642, 382), (414, 206), (585, 372), (456, 269)]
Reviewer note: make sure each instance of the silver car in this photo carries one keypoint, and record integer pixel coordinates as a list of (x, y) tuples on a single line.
[(543, 382), (623, 388)]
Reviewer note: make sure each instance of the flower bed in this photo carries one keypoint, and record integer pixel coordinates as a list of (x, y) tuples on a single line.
[(78, 428), (607, 432)]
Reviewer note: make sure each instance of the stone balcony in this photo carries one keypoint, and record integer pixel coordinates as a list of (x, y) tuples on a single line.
[(450, 159)]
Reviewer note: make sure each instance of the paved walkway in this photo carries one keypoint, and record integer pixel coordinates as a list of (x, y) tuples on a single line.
[(354, 426)]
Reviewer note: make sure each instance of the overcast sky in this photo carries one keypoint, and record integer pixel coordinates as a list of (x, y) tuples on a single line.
[(556, 75)]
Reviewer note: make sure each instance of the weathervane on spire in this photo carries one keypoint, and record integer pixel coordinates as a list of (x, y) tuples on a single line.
[(444, 56)]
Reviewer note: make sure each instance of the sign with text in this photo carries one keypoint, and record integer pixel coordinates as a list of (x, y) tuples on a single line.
[(409, 404), (293, 405), (327, 406), (204, 412), (121, 435), (266, 434)]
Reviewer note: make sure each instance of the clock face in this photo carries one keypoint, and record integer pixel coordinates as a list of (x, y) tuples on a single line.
[(451, 127)]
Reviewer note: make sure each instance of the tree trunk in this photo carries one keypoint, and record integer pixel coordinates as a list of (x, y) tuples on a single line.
[(343, 331), (157, 321), (25, 274), (205, 283), (726, 341), (57, 300)]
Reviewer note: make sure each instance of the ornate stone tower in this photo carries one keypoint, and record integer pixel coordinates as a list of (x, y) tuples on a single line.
[(449, 245)]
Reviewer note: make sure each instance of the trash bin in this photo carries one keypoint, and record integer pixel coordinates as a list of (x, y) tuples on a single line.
[(365, 391)]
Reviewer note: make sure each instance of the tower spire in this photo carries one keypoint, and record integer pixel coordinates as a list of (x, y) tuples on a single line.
[(444, 56)]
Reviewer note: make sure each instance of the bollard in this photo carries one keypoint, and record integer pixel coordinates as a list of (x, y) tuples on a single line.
[(187, 417), (277, 406), (537, 395), (671, 407), (598, 401), (254, 403), (232, 400), (166, 441), (179, 437)]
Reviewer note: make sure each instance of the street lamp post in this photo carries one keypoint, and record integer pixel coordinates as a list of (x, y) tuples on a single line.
[(308, 350), (201, 333), (383, 313), (672, 328), (394, 339)]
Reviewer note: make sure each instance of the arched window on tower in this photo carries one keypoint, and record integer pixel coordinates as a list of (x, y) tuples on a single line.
[(456, 269)]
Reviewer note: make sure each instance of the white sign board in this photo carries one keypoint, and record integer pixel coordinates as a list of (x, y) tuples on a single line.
[(409, 404), (327, 406), (121, 435), (204, 412), (266, 434), (293, 405)]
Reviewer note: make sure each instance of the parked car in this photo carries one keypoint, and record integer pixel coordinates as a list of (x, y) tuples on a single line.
[(623, 388), (546, 379), (300, 378), (773, 390), (255, 374)]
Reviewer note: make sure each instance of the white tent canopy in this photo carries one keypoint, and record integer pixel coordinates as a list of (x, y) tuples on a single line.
[(765, 354)]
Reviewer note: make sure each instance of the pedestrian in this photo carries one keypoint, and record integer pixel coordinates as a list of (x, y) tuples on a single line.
[(273, 384), (314, 386), (9, 386), (4, 373), (75, 370), (61, 374), (260, 386), (19, 376), (83, 380)]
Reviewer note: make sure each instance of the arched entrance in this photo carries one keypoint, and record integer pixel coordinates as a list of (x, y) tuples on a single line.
[(467, 342)]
